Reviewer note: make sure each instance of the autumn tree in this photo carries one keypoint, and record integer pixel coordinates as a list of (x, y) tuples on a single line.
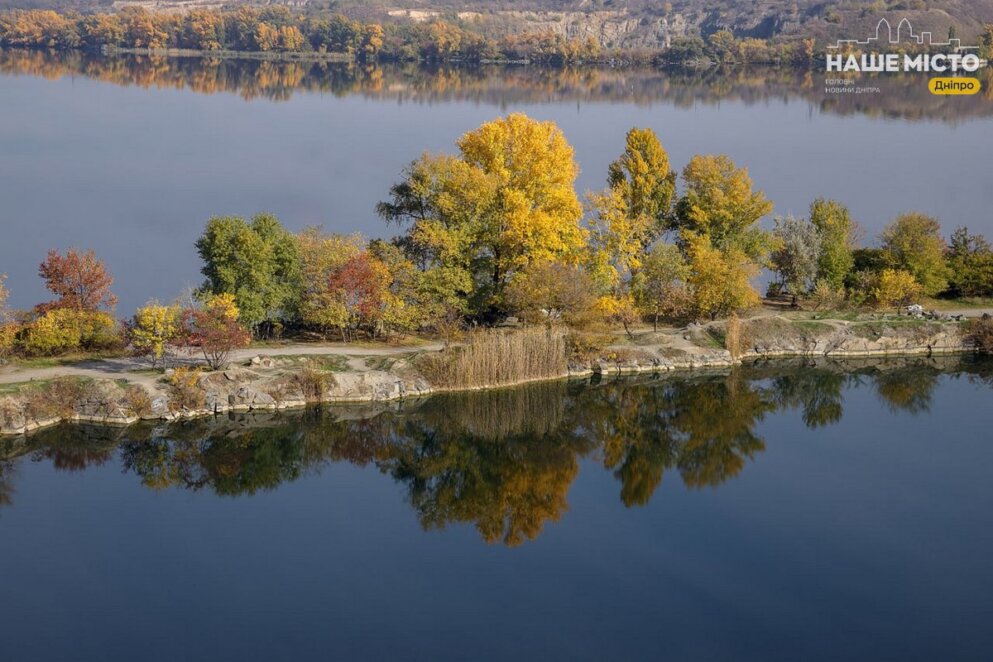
[(643, 175), (203, 30), (8, 330), (80, 280), (360, 291), (321, 256), (141, 29), (720, 280), (913, 243), (153, 327), (507, 200), (256, 262), (795, 259), (214, 329), (4, 295), (660, 287), (370, 41), (100, 30), (552, 292), (717, 221), (720, 204), (632, 212), (896, 288), (838, 237)]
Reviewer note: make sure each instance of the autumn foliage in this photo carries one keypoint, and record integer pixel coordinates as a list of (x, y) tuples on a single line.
[(214, 330), (79, 279)]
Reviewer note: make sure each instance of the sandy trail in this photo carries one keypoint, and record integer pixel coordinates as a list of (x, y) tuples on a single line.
[(136, 370)]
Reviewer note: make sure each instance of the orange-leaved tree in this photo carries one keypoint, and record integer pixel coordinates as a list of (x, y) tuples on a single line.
[(79, 279)]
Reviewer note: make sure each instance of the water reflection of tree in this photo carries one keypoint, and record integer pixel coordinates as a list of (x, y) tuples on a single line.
[(907, 389), (903, 95), (816, 392), (76, 448), (502, 461), (702, 428)]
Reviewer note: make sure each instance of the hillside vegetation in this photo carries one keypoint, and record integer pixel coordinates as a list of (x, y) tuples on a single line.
[(622, 23)]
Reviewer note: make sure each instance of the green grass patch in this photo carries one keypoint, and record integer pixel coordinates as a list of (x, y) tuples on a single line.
[(813, 326)]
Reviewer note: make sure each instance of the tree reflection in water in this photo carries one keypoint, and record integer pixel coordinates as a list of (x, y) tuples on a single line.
[(501, 460), (903, 96)]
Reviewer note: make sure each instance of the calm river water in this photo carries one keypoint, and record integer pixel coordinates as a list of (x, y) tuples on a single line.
[(836, 512), (130, 156)]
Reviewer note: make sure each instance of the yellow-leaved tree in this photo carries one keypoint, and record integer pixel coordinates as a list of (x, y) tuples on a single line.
[(717, 221), (634, 209), (153, 327), (8, 330), (896, 287), (720, 280), (536, 212), (506, 201)]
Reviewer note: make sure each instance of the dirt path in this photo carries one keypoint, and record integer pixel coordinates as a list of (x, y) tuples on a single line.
[(136, 370)]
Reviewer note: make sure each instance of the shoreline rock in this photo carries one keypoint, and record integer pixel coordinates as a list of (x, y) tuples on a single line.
[(264, 385)]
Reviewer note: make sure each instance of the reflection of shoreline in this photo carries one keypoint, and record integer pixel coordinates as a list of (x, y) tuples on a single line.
[(504, 461), (902, 96)]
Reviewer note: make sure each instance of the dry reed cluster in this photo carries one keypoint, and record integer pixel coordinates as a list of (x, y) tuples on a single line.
[(493, 357)]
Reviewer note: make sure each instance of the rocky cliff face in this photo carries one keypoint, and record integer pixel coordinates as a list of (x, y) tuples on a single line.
[(611, 29)]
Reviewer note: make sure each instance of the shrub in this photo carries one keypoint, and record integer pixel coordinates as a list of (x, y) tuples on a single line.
[(312, 383), (552, 292), (137, 400), (62, 330), (896, 288), (981, 334), (58, 399), (584, 347), (826, 297), (8, 336), (184, 390)]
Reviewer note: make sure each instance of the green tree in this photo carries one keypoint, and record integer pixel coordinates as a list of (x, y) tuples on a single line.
[(970, 262), (659, 288), (913, 243), (257, 262), (838, 238)]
